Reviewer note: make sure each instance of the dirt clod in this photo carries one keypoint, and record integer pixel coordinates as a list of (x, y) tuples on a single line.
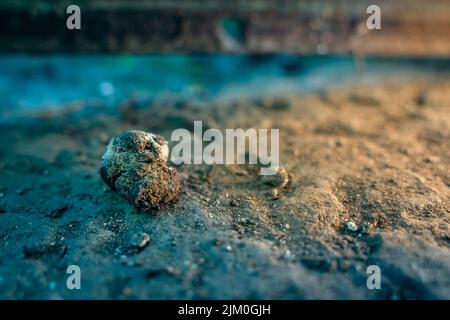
[(135, 165)]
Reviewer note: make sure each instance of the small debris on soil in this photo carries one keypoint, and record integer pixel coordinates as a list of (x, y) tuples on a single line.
[(136, 244), (279, 178), (351, 226), (135, 164), (140, 240), (275, 194)]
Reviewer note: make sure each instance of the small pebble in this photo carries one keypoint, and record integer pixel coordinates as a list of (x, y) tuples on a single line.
[(279, 178), (140, 240), (171, 270), (351, 226), (275, 194)]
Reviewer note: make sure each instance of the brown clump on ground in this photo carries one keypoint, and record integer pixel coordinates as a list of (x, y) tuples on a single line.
[(135, 164)]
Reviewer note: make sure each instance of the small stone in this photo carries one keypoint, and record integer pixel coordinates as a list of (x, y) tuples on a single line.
[(351, 226), (275, 194), (279, 178), (234, 203), (136, 244), (171, 270), (140, 240)]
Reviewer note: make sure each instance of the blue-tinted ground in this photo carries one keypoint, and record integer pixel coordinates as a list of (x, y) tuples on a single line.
[(368, 145), (30, 83)]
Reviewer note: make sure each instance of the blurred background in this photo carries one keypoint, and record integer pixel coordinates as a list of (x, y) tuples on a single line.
[(146, 50)]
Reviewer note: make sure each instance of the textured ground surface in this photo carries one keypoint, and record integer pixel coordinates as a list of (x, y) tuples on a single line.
[(378, 156)]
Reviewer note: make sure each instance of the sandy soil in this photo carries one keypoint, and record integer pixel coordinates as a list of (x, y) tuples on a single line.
[(378, 156)]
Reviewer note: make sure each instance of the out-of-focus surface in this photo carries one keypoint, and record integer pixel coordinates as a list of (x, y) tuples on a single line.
[(35, 84), (409, 27)]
